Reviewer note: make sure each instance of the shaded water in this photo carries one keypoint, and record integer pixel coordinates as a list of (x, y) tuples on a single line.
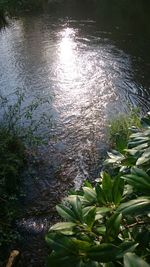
[(93, 64)]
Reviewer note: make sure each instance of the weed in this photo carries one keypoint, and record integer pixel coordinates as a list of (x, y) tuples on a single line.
[(119, 128)]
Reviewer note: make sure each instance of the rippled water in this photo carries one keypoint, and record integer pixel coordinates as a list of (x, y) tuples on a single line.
[(91, 74)]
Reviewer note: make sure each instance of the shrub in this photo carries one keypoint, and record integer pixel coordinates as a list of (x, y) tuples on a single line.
[(108, 224)]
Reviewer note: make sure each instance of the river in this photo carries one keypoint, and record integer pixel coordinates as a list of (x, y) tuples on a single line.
[(93, 60)]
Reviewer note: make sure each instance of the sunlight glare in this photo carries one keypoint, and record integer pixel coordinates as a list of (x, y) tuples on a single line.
[(67, 53)]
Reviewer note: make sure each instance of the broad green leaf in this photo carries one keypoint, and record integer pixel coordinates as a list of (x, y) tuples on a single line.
[(63, 226), (107, 186), (76, 207), (132, 144), (83, 200), (100, 195), (139, 182), (89, 216), (60, 243), (132, 260), (103, 253), (89, 194), (140, 173), (66, 213), (117, 190), (100, 212), (87, 184), (137, 185), (113, 225), (101, 230), (81, 246), (145, 122), (126, 246), (114, 158), (139, 206), (144, 158)]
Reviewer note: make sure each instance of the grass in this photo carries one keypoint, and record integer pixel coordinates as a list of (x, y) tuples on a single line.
[(119, 128)]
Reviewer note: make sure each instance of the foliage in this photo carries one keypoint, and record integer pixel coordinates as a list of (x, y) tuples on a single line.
[(19, 130), (25, 120), (119, 128), (12, 159), (108, 224)]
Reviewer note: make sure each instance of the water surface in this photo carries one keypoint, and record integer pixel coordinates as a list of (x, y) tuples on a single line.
[(93, 64)]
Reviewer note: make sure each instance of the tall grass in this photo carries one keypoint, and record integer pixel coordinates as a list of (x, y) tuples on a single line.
[(119, 128)]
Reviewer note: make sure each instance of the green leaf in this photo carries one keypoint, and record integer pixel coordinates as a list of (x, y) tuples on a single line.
[(113, 225), (145, 122), (63, 227), (65, 212), (60, 243), (139, 172), (100, 195), (100, 212), (76, 207), (103, 253), (89, 216), (107, 186), (101, 230), (144, 158), (138, 179), (114, 158), (126, 246), (87, 184), (117, 190), (89, 194), (81, 246), (132, 260), (139, 206)]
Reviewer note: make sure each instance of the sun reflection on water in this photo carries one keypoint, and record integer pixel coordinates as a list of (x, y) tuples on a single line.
[(67, 46), (67, 55)]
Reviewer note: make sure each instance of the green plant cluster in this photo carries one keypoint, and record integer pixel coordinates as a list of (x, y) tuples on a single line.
[(12, 160), (108, 224), (25, 120), (18, 133), (119, 128)]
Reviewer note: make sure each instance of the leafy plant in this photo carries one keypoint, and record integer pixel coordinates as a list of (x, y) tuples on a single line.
[(107, 224)]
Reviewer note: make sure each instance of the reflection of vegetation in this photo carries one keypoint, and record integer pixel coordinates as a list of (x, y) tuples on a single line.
[(108, 224), (13, 7)]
